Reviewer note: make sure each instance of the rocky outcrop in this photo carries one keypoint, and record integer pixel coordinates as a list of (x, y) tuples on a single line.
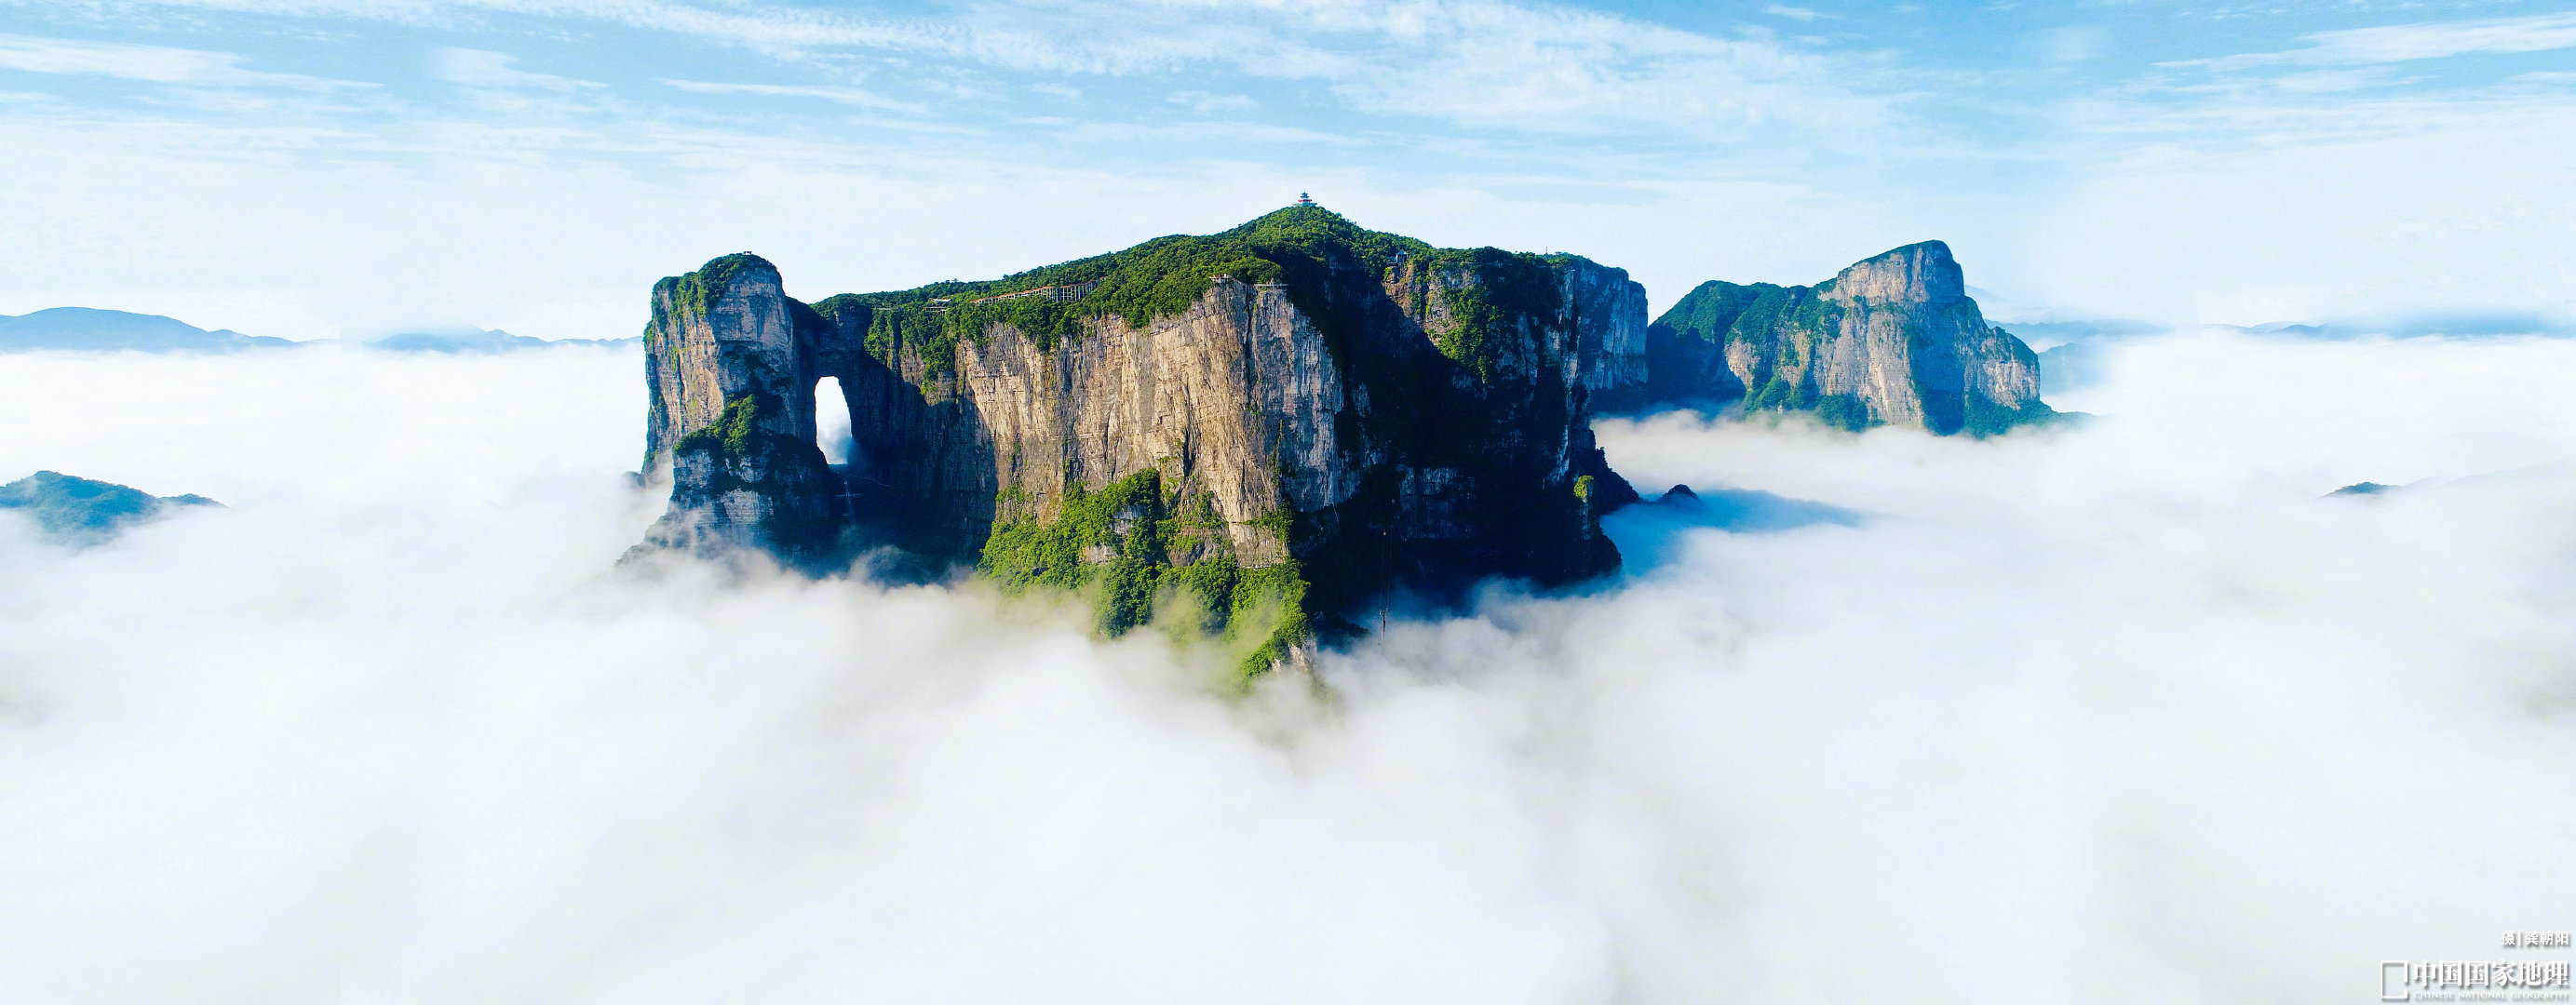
[(731, 417), (1894, 340), (1296, 412), (85, 511)]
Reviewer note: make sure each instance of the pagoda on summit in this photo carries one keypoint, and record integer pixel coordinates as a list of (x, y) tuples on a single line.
[(1302, 200)]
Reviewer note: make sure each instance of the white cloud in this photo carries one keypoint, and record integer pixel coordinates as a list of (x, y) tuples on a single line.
[(1228, 133), (1564, 70), (1205, 103), (2069, 44), (2270, 235), (2064, 717), (1796, 13), (836, 95), (478, 68), (1481, 62), (1540, 126), (151, 63), (2429, 40)]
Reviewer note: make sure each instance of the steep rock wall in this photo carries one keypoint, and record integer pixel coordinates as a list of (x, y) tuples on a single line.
[(1608, 312), (1223, 399)]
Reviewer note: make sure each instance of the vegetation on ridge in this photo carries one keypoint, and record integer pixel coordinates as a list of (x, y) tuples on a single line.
[(699, 290), (1163, 277), (1710, 309), (1509, 286)]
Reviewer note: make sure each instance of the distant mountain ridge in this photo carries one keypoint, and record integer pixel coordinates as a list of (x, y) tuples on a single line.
[(478, 342), (89, 328)]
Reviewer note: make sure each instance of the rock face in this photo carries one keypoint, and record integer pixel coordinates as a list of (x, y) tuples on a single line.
[(1608, 307), (83, 511), (1894, 340), (1296, 412)]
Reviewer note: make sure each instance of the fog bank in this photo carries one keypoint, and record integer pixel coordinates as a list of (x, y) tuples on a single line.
[(2124, 713)]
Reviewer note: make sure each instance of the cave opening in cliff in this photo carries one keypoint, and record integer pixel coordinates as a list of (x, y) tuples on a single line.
[(832, 421)]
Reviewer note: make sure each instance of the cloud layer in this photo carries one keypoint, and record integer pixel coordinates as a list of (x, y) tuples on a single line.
[(151, 63), (2430, 40), (2125, 714), (346, 167)]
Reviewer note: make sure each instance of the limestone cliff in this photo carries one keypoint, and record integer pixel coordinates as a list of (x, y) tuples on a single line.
[(1894, 340), (1296, 413)]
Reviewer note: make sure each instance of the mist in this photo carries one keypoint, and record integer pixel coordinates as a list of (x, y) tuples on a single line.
[(2123, 712)]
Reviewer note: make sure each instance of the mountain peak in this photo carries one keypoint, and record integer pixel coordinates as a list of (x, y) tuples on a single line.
[(1922, 272)]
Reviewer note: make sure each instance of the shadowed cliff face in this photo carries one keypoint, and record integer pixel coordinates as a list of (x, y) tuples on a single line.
[(1365, 411), (1893, 340)]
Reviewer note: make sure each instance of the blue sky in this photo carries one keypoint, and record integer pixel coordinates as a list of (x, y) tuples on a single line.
[(351, 167)]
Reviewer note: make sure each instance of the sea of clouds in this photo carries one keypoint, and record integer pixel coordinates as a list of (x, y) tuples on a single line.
[(2120, 714)]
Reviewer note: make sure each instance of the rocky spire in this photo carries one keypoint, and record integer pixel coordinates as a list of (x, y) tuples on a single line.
[(731, 418)]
